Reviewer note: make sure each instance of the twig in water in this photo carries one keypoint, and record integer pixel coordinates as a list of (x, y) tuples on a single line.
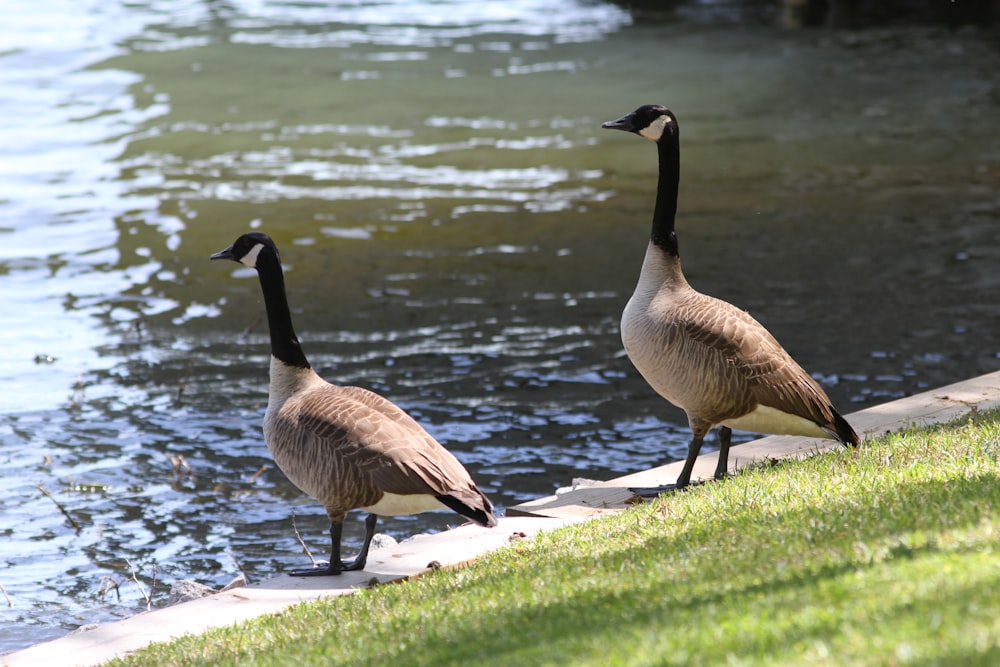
[(106, 584), (181, 386), (4, 591), (142, 590), (260, 471), (180, 464), (152, 587), (250, 329), (61, 508), (301, 541), (137, 328), (239, 565), (79, 394)]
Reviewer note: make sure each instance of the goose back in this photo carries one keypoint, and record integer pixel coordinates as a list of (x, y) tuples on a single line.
[(351, 448)]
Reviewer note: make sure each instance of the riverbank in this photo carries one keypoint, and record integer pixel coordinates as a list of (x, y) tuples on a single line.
[(905, 502)]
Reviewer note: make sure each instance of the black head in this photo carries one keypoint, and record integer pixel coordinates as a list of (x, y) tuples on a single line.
[(246, 249), (651, 121)]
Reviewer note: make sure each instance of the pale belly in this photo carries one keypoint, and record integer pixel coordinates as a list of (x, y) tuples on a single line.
[(775, 422), (662, 378), (393, 504), (661, 361)]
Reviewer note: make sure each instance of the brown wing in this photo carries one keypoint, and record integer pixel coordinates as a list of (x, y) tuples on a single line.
[(380, 438), (770, 374), (381, 447)]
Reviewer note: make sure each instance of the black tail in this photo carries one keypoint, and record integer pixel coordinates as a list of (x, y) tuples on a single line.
[(841, 430), (483, 515)]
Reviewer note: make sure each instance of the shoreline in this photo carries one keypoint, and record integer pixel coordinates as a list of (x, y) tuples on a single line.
[(452, 548)]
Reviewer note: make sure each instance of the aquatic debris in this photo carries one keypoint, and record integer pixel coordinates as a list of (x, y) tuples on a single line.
[(62, 509)]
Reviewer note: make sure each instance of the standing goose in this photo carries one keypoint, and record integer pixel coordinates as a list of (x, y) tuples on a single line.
[(704, 355), (347, 447)]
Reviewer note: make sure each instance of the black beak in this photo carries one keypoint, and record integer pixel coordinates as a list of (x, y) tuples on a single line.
[(224, 254), (626, 123)]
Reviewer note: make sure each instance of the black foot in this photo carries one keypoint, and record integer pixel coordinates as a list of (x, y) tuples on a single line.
[(319, 571), (355, 565), (654, 491), (324, 570)]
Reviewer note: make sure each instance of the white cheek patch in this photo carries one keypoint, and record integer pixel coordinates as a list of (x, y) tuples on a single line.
[(250, 259), (654, 130)]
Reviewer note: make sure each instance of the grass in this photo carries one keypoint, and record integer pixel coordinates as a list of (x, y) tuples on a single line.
[(891, 557)]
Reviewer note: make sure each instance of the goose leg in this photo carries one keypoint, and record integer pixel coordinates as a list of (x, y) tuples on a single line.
[(335, 566), (694, 449), (725, 437), (683, 479), (359, 561)]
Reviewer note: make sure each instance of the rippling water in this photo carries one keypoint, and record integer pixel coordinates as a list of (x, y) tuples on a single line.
[(459, 235)]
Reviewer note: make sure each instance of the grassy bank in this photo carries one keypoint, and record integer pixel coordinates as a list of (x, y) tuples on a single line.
[(888, 557)]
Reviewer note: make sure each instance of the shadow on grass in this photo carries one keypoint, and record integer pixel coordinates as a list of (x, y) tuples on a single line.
[(987, 658), (554, 630)]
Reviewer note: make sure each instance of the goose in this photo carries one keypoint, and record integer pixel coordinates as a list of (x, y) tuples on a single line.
[(348, 447), (704, 355)]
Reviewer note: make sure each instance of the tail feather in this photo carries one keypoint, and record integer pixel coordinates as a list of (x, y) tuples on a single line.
[(843, 431), (481, 514)]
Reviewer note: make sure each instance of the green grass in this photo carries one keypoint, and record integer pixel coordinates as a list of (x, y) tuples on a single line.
[(889, 557)]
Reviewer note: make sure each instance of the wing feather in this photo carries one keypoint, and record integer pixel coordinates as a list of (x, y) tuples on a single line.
[(348, 446), (768, 372)]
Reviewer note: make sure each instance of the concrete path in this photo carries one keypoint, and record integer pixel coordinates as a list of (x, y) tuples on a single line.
[(461, 545), (931, 407)]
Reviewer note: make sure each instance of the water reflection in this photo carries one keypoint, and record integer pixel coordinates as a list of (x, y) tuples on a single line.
[(458, 236)]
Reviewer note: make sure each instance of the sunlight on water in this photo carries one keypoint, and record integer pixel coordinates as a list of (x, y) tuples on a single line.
[(58, 189), (458, 234), (402, 23)]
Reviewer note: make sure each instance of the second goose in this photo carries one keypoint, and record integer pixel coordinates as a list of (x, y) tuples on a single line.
[(346, 446), (704, 355)]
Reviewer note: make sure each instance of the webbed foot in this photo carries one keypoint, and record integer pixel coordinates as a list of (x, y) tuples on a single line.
[(654, 491), (321, 570)]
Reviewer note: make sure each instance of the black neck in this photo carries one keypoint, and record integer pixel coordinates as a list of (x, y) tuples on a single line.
[(663, 235), (284, 344)]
